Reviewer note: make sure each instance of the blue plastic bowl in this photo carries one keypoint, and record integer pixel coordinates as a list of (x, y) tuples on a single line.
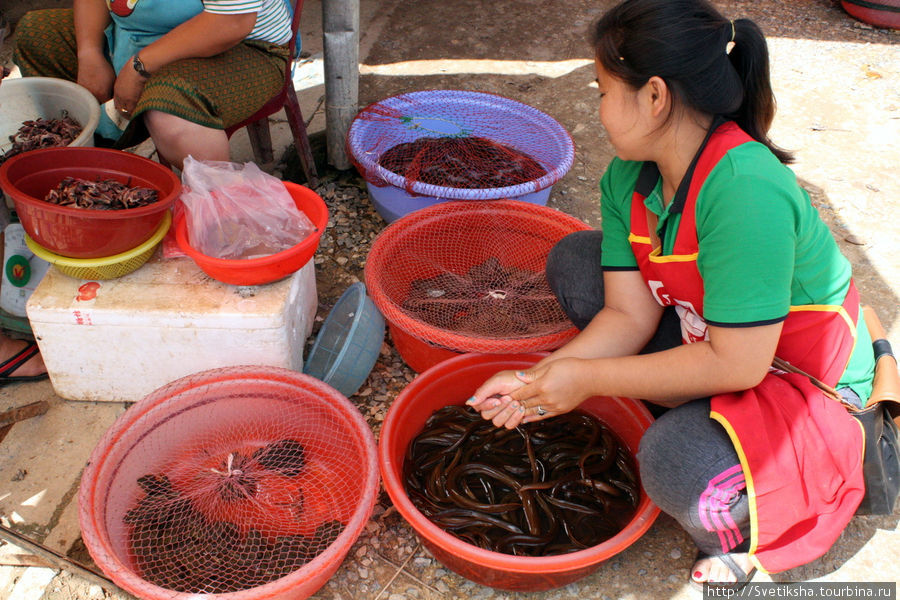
[(348, 342), (407, 117)]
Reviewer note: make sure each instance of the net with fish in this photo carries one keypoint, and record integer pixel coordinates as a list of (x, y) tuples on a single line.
[(456, 144), (469, 277), (229, 480)]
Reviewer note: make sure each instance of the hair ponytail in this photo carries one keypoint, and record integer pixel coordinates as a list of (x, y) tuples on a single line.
[(750, 59), (686, 43)]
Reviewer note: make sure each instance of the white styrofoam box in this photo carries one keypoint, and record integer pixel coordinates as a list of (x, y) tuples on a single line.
[(120, 339)]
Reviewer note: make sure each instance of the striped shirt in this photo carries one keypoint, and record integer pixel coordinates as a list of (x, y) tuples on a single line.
[(273, 21)]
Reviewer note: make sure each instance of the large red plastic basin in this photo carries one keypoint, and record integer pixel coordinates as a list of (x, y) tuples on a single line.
[(883, 13), (266, 269), (453, 237), (178, 427), (452, 382), (79, 232)]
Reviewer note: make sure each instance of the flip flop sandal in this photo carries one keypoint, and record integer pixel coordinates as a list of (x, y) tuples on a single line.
[(742, 577), (9, 366)]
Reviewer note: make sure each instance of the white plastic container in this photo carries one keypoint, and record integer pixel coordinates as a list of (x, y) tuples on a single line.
[(27, 98), (22, 271), (119, 340)]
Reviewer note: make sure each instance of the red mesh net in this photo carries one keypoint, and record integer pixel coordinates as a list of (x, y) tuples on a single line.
[(226, 524), (469, 277), (466, 162), (236, 484), (450, 143)]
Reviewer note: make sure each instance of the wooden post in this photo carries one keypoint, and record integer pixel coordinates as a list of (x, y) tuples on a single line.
[(340, 30)]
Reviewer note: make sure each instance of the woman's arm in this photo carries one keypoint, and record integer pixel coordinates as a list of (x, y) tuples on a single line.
[(601, 361), (206, 34), (203, 35), (732, 359), (94, 71), (626, 323)]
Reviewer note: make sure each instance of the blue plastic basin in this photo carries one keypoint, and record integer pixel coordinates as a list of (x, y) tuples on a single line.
[(454, 113)]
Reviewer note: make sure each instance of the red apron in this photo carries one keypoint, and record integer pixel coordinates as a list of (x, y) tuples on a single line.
[(801, 452)]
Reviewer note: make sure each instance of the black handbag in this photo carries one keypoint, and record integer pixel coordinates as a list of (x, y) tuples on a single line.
[(881, 466), (881, 461)]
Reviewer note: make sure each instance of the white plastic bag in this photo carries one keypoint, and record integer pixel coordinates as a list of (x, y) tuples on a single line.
[(236, 211)]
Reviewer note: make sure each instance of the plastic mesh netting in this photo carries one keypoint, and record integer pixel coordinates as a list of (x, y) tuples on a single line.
[(470, 277), (459, 145), (227, 481)]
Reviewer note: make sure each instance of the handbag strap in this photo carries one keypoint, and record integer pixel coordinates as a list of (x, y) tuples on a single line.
[(886, 383), (784, 365)]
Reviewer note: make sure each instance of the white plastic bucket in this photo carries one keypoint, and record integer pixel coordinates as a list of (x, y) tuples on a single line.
[(28, 98)]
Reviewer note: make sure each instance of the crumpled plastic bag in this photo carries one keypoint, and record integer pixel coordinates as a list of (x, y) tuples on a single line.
[(236, 211)]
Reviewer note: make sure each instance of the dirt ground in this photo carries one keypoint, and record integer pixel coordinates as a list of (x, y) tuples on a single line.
[(837, 82)]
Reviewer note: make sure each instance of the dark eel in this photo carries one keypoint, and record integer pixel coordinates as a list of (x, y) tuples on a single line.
[(545, 488)]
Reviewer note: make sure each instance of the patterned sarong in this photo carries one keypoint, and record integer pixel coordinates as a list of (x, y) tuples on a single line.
[(216, 92)]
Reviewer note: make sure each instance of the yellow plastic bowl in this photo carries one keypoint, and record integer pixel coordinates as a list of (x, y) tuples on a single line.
[(109, 267)]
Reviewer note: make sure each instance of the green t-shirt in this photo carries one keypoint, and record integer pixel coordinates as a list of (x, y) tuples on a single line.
[(762, 245)]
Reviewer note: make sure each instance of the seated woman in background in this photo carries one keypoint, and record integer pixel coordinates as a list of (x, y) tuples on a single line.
[(181, 71), (703, 220)]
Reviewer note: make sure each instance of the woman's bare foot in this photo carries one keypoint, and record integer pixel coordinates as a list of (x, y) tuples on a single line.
[(711, 569), (33, 366)]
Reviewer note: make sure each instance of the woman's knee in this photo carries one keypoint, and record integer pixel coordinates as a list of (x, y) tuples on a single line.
[(28, 34), (574, 250), (176, 138), (168, 128), (575, 275), (29, 26), (656, 450), (669, 449)]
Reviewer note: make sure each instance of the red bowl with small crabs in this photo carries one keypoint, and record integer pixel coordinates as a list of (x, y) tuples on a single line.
[(81, 232)]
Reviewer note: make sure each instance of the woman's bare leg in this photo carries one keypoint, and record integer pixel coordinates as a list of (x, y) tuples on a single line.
[(176, 138)]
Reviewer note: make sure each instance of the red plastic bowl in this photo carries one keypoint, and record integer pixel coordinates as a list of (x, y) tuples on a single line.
[(79, 232), (257, 271), (453, 237), (885, 13), (185, 424), (452, 382)]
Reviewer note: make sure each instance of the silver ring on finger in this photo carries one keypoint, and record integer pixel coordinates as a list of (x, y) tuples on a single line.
[(540, 411)]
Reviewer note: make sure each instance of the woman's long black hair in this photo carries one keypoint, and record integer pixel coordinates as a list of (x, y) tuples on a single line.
[(684, 42)]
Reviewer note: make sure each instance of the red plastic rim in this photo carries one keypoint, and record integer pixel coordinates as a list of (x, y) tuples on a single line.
[(165, 404), (78, 232), (451, 382), (881, 14), (266, 269), (388, 245)]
